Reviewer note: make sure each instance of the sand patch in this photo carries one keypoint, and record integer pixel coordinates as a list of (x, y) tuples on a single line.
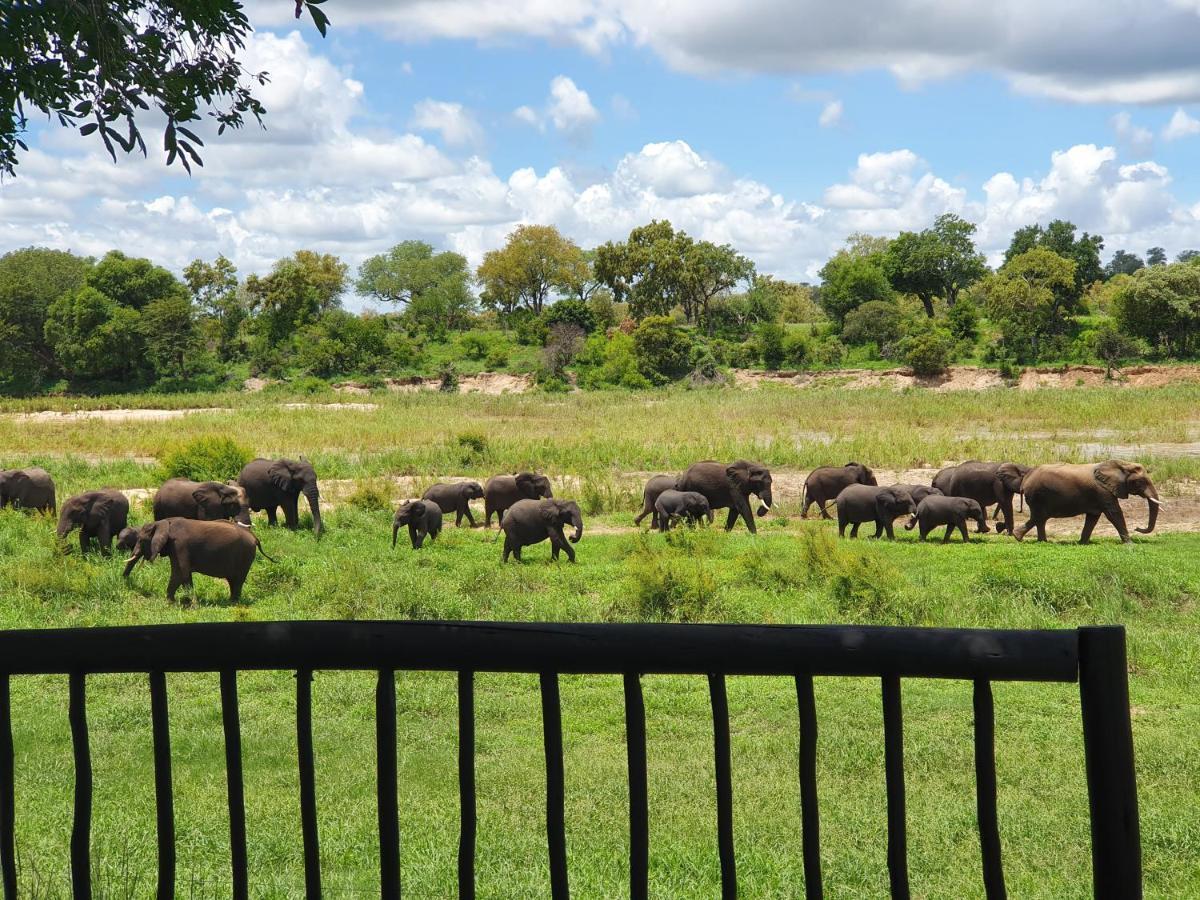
[(972, 378), (116, 415), (491, 383)]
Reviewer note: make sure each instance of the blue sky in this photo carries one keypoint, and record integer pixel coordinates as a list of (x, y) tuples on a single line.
[(781, 126)]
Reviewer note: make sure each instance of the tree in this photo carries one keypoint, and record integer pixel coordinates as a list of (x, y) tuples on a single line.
[(1059, 237), (168, 328), (220, 304), (1123, 263), (876, 321), (100, 65), (580, 282), (297, 291), (570, 311), (1161, 305), (1113, 346), (849, 281), (434, 287), (30, 280), (1184, 256), (1028, 299), (939, 262), (132, 281), (535, 262), (95, 337), (1156, 256), (663, 350)]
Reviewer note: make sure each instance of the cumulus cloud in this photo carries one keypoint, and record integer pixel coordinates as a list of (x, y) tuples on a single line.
[(1139, 140), (1181, 125), (568, 108), (452, 121), (831, 114)]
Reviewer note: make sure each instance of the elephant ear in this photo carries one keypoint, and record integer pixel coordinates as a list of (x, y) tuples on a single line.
[(162, 535), (280, 474), (550, 512), (738, 474), (101, 506), (204, 498), (1111, 476)]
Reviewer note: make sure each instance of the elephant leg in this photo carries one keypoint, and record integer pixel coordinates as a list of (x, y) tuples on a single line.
[(747, 514), (731, 519), (1089, 522), (507, 549), (962, 526), (854, 529), (647, 510), (416, 537), (235, 587), (841, 527), (559, 541), (83, 540), (458, 517), (664, 523), (272, 515), (808, 501), (887, 525), (467, 513), (1041, 530), (104, 538), (291, 515), (824, 507), (177, 579), (1114, 515), (949, 531)]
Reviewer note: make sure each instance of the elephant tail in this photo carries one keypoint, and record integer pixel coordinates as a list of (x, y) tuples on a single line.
[(258, 546)]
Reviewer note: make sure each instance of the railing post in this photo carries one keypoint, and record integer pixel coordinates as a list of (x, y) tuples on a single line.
[(1108, 751)]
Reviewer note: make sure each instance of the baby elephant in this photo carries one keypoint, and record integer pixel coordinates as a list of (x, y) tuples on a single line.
[(860, 503), (533, 521), (674, 505), (952, 512), (423, 517), (456, 498), (219, 549), (97, 514)]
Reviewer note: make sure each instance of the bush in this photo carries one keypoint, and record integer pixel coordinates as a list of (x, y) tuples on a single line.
[(928, 352), (550, 382), (963, 320), (496, 359), (797, 349), (529, 328), (371, 496), (663, 349), (570, 312), (829, 352), (448, 379), (770, 345), (669, 587), (609, 362), (875, 322), (205, 459), (475, 345), (1114, 347), (472, 447), (562, 346)]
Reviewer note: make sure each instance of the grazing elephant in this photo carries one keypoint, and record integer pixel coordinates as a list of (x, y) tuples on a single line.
[(219, 549), (729, 487), (1091, 491), (986, 483), (672, 505), (273, 483), (533, 521), (455, 498), (920, 491), (423, 517), (502, 491), (204, 500), (824, 484), (650, 493), (127, 539), (953, 512), (97, 514), (31, 488), (860, 503)]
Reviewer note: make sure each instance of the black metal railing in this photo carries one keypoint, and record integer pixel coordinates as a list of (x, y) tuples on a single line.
[(1093, 656)]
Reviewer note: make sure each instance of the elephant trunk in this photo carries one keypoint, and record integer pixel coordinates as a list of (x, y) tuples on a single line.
[(577, 521), (911, 523), (314, 504), (395, 531), (1153, 502), (765, 500), (64, 524)]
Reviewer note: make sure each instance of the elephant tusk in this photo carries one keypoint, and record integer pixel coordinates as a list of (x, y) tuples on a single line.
[(131, 559), (765, 504), (243, 525), (1157, 502)]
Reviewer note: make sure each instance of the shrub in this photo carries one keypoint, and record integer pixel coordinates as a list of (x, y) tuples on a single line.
[(371, 496), (1114, 347), (550, 382), (962, 320), (472, 447), (562, 346), (797, 349), (570, 312), (669, 587), (928, 352), (662, 348), (829, 352), (609, 362), (877, 321), (475, 345), (205, 459), (448, 379), (497, 358), (770, 345), (529, 328)]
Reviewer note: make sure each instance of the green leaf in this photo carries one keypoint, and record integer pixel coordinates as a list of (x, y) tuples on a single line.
[(88, 128), (319, 19)]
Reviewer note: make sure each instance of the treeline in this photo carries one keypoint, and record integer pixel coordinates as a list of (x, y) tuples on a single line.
[(657, 307)]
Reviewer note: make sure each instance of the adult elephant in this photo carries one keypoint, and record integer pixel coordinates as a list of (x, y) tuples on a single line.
[(219, 549), (729, 487), (919, 492), (455, 498), (824, 484), (97, 514), (1091, 491), (986, 483), (502, 491), (650, 494), (272, 483), (31, 488), (533, 521), (203, 500)]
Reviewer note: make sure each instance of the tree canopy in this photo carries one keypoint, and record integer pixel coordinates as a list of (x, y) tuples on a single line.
[(1059, 237), (535, 263), (433, 287), (938, 262)]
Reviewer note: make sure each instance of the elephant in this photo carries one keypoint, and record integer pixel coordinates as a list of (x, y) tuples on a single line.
[(273, 483), (860, 503), (423, 517), (502, 491), (729, 487), (204, 500), (920, 491), (219, 549), (650, 493), (97, 514), (953, 512), (533, 521), (688, 505), (1089, 490), (127, 539), (31, 488), (824, 484), (455, 498), (986, 483)]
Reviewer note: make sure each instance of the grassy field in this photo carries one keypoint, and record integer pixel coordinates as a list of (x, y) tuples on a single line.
[(791, 572)]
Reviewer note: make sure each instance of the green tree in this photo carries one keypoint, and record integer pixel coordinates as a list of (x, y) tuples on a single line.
[(433, 287), (663, 349), (938, 262), (1028, 299), (535, 264), (877, 321), (849, 280), (341, 343), (570, 311), (1161, 305), (30, 280), (297, 291), (132, 281), (168, 329), (770, 340), (1114, 347), (1059, 237), (1156, 256), (95, 337), (1187, 256), (929, 351), (1123, 263), (221, 306)]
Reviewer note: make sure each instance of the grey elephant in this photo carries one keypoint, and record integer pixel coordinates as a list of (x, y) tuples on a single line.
[(423, 518), (127, 539), (205, 500), (502, 491), (729, 487), (271, 484), (1091, 491), (920, 491), (218, 549), (824, 484), (650, 493), (99, 514), (860, 503), (986, 483), (936, 510), (533, 521), (455, 498), (674, 505), (31, 488)]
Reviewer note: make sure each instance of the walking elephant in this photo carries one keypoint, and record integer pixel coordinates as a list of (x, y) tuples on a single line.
[(455, 498), (729, 487), (824, 484), (674, 505), (920, 491), (986, 483), (204, 500), (271, 484), (860, 503), (97, 514), (218, 549), (31, 488), (502, 491), (423, 518), (533, 521), (650, 494), (953, 512), (1091, 491)]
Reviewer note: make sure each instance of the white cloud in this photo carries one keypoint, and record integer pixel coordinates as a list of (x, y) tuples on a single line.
[(1181, 125), (529, 116), (570, 108), (452, 120), (831, 114), (1139, 140)]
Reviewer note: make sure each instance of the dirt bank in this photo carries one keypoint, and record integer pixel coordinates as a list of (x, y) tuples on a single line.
[(972, 378)]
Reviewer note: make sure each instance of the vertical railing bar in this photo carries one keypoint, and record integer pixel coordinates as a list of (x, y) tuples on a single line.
[(466, 785), (231, 722), (639, 806), (387, 785), (308, 785), (724, 777), (893, 749), (81, 829), (810, 817), (556, 830), (163, 791), (8, 812), (985, 790)]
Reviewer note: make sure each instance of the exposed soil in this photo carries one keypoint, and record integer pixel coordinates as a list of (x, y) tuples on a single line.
[(971, 378), (116, 415), (492, 383), (359, 406)]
